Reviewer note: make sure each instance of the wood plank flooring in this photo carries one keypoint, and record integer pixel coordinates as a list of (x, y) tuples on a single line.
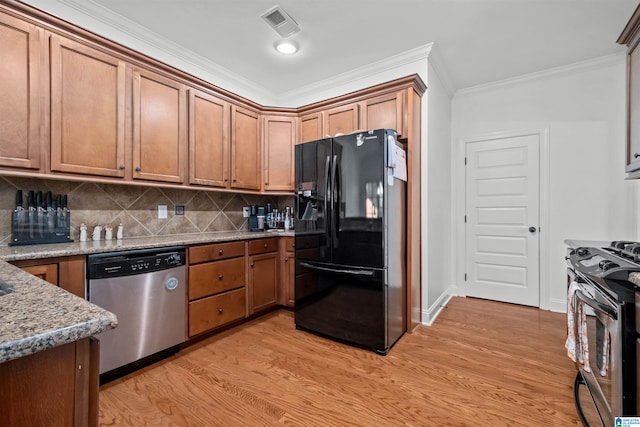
[(482, 363)]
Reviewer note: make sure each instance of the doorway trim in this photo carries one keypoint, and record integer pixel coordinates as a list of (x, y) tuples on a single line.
[(460, 207)]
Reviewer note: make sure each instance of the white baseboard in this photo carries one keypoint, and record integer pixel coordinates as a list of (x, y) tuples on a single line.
[(429, 315), (557, 305)]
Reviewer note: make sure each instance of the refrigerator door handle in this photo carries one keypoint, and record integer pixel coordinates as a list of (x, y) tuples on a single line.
[(368, 273), (327, 195), (335, 202)]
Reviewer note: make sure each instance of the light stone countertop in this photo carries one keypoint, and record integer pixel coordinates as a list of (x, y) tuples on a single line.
[(37, 316)]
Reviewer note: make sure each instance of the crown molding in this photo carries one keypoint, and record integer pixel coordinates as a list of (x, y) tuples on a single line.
[(150, 43), (439, 67), (539, 75), (358, 75)]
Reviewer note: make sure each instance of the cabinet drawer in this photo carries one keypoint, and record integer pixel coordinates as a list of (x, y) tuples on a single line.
[(204, 253), (215, 277), (209, 313), (289, 244), (262, 246)]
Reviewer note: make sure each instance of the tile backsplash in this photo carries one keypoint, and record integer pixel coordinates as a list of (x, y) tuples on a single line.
[(136, 207)]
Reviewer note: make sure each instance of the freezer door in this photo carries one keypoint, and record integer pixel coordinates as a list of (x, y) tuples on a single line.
[(313, 200), (342, 303), (357, 178)]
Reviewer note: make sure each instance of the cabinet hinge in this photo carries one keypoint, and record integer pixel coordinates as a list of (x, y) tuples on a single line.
[(465, 161), (465, 219), (465, 277)]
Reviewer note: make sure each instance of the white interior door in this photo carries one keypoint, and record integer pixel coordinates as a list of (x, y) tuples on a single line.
[(502, 219)]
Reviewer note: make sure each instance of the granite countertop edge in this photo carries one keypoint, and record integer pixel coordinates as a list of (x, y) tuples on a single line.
[(37, 316), (21, 253)]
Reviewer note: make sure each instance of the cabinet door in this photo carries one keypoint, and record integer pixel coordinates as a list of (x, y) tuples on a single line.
[(310, 127), (263, 279), (279, 140), (246, 162), (87, 110), (342, 119), (46, 272), (159, 128), (384, 112), (633, 112), (20, 93), (208, 140)]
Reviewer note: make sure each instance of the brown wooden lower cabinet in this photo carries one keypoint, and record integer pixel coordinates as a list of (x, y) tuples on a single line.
[(263, 281), (55, 387), (212, 312), (66, 272)]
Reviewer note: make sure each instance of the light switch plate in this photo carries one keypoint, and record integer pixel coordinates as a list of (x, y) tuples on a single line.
[(162, 211), (245, 212)]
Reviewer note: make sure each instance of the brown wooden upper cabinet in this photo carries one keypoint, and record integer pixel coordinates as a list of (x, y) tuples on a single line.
[(343, 119), (310, 127), (87, 110), (21, 80), (631, 38), (279, 140), (159, 127), (208, 139), (246, 161), (384, 112)]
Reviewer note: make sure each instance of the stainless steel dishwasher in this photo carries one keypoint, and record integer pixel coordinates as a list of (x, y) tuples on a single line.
[(146, 289)]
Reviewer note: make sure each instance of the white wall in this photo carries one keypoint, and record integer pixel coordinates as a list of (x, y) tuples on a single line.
[(582, 107), (437, 260)]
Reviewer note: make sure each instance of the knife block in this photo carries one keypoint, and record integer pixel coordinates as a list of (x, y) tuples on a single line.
[(33, 228)]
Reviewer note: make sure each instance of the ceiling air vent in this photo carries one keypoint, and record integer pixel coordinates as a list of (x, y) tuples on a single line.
[(280, 21)]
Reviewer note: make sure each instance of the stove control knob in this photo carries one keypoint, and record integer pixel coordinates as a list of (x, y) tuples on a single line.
[(609, 265), (602, 263), (582, 251)]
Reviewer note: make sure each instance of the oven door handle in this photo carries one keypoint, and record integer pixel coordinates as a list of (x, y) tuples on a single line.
[(597, 306)]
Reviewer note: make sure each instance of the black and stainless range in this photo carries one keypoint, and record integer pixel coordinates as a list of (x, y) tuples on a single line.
[(606, 385)]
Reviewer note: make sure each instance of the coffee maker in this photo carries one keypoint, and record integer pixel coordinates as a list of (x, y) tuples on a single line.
[(256, 218)]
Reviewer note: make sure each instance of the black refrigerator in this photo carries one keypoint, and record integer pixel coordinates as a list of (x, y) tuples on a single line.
[(350, 238)]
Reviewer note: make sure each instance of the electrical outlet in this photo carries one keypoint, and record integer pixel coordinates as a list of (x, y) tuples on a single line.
[(162, 211), (245, 212), (180, 210)]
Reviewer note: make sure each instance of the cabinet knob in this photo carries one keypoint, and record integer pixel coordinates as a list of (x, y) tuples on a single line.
[(235, 180), (138, 169), (286, 260), (122, 167), (226, 179), (220, 252), (266, 246), (220, 276), (636, 155), (251, 265), (220, 310)]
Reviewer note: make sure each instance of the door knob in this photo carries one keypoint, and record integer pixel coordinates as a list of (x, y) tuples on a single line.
[(532, 229)]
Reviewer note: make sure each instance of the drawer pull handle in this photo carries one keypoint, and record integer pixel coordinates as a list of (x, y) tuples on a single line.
[(220, 310), (636, 155), (220, 252), (220, 276)]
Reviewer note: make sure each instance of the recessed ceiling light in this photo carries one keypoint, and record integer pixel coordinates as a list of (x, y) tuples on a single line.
[(287, 47)]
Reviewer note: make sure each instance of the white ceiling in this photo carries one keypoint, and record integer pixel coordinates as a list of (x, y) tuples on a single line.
[(478, 41)]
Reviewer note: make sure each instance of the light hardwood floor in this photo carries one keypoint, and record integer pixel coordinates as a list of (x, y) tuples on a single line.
[(482, 363)]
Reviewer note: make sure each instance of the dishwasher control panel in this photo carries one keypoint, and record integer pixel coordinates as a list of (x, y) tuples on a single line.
[(129, 263)]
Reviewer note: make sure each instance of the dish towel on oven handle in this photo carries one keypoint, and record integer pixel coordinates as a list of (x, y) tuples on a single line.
[(577, 345)]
